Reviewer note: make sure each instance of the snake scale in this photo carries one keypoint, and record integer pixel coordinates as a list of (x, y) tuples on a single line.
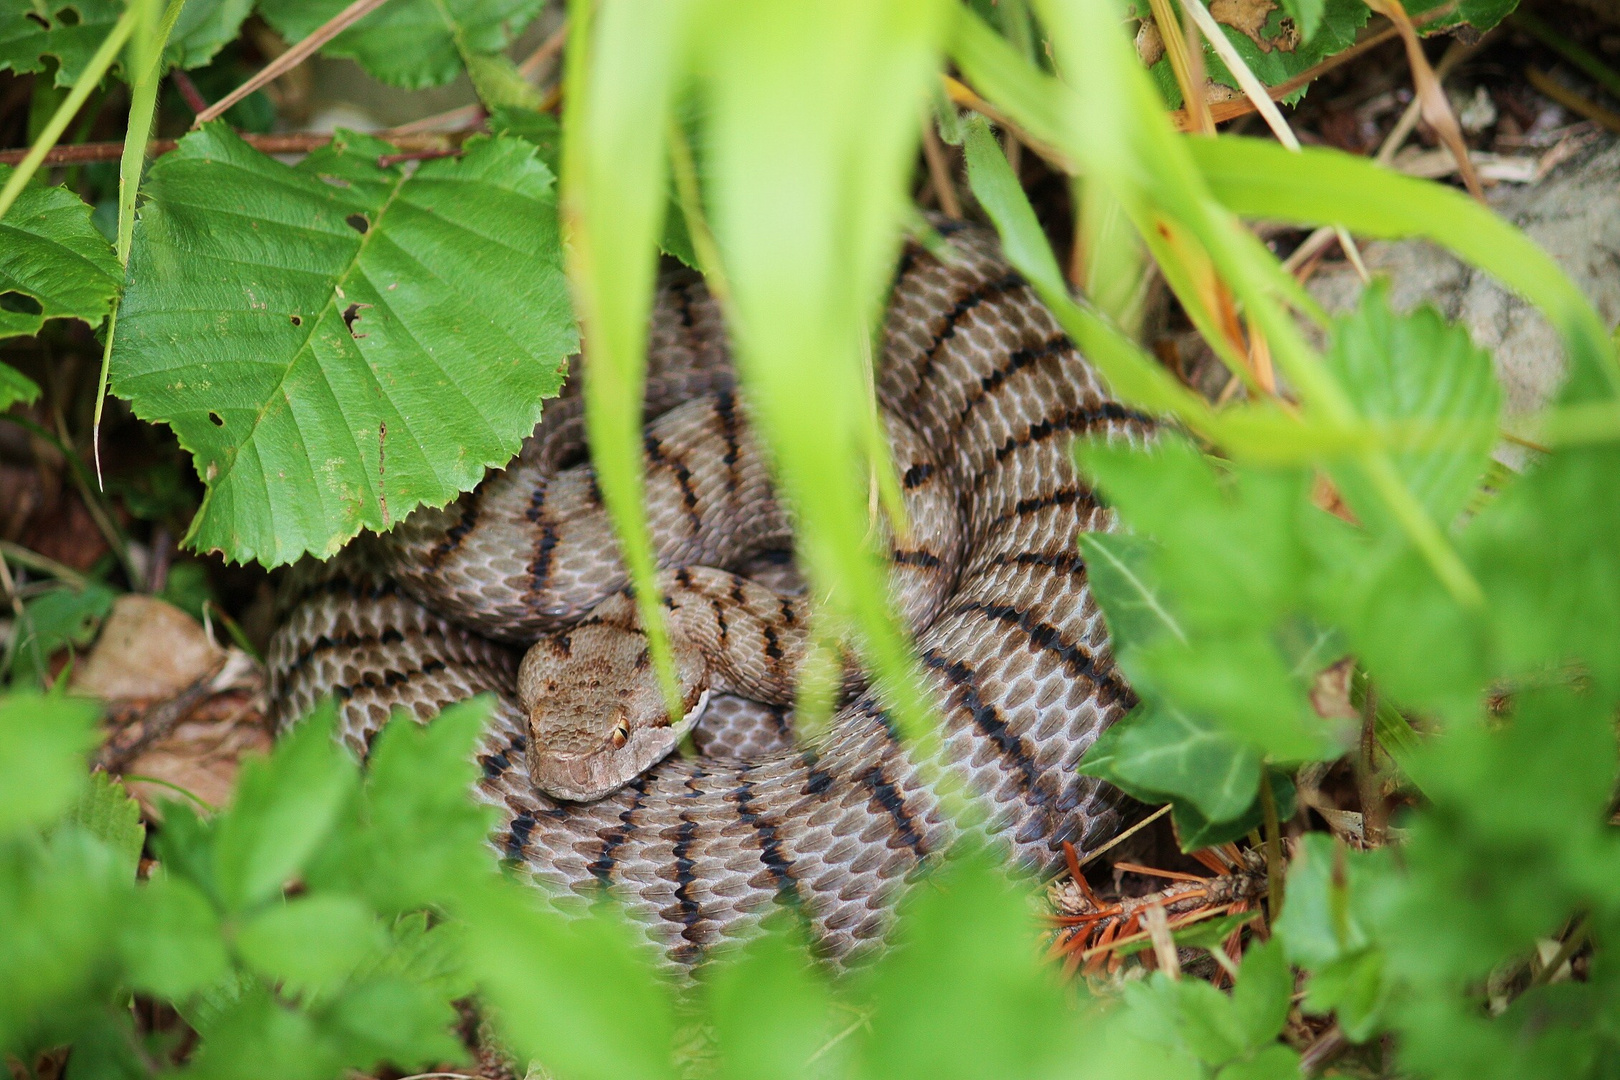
[(982, 395)]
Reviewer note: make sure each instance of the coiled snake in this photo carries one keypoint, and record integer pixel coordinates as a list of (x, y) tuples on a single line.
[(982, 396)]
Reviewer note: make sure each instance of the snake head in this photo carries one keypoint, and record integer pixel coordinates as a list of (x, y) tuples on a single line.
[(596, 711)]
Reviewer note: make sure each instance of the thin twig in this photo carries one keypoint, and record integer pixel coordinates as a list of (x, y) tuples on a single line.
[(1570, 946), (44, 564), (1274, 868), (292, 57), (1223, 111), (450, 120), (1164, 946), (939, 171), (1426, 87), (530, 67), (1127, 834), (188, 90), (296, 143)]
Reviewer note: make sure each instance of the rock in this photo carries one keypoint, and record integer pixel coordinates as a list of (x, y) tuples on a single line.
[(1573, 214), (148, 650)]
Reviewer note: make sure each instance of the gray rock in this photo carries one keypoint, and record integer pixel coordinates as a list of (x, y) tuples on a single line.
[(1573, 214)]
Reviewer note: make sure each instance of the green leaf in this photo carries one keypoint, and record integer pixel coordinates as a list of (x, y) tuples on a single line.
[(1119, 570), (1196, 831), (410, 43), (391, 1020), (1307, 15), (16, 387), (284, 807), (1323, 27), (962, 994), (1264, 990), (54, 264), (1161, 751), (310, 942), (529, 960), (533, 126), (1327, 927), (43, 743), (68, 30), (203, 28), (345, 342), (772, 1012), (419, 837), (171, 942), (107, 812), (1274, 1062), (1420, 369), (58, 619)]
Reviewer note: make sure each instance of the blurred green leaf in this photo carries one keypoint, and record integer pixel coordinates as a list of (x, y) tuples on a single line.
[(1119, 569), (962, 993), (284, 807), (171, 942), (1418, 368), (60, 618), (411, 43), (366, 340), (107, 812), (15, 388), (53, 265), (43, 743), (417, 785), (203, 28), (68, 31), (310, 942), (1160, 751), (393, 1021), (772, 1012), (1320, 29), (578, 995)]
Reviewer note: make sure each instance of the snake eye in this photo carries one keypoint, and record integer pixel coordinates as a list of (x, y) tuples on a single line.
[(620, 736)]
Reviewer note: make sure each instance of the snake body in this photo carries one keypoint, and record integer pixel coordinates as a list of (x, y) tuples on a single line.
[(983, 395)]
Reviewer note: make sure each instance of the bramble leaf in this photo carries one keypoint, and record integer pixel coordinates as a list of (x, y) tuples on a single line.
[(54, 264), (107, 812), (68, 30), (346, 342), (171, 941)]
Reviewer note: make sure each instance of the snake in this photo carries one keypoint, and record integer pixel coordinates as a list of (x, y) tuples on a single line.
[(703, 827)]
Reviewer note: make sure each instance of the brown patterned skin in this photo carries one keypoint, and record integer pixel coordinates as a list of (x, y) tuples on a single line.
[(700, 848)]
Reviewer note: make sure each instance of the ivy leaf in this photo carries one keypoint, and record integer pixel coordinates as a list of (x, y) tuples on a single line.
[(1160, 750), (340, 343), (1119, 569), (43, 742), (54, 264), (107, 812), (411, 43), (68, 30)]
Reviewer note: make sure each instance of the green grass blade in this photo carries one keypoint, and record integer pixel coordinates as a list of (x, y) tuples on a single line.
[(623, 66)]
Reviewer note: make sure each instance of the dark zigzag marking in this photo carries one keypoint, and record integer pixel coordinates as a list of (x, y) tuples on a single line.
[(987, 718), (1063, 562), (768, 834), (616, 837), (687, 911), (1047, 637), (959, 310), (918, 557), (683, 477), (1016, 361), (454, 535), (1074, 420), (885, 796), (370, 681)]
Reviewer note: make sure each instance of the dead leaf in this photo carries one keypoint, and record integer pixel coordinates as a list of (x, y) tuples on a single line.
[(203, 752), (148, 650), (1330, 692), (1248, 17)]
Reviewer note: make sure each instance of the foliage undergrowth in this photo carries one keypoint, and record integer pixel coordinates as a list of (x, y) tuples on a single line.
[(340, 341)]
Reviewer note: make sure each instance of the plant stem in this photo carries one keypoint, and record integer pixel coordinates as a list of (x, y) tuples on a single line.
[(1367, 779), (82, 89), (1571, 944), (1274, 867)]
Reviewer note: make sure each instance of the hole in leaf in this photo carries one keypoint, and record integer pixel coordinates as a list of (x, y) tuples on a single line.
[(351, 315), (38, 18), (298, 320), (335, 181), (358, 223), (19, 303), (219, 421), (68, 17)]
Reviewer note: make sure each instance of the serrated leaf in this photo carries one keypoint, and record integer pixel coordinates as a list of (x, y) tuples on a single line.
[(772, 1011), (283, 809), (962, 994), (68, 30), (310, 942), (58, 619), (1419, 369), (395, 1021), (107, 812), (171, 941), (43, 742), (340, 343), (15, 388), (528, 960), (203, 28), (410, 43), (54, 264)]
